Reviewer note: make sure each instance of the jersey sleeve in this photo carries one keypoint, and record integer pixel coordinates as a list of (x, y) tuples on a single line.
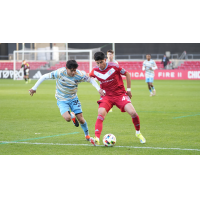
[(53, 74), (121, 70), (91, 74), (84, 77), (143, 66), (154, 66)]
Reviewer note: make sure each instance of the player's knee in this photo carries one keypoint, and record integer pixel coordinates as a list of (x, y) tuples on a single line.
[(133, 113), (81, 120), (67, 118)]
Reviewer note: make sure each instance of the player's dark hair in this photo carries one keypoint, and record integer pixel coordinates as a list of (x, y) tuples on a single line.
[(99, 56), (110, 51), (148, 54), (71, 64)]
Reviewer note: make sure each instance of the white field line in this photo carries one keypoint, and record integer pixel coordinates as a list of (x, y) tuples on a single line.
[(59, 144)]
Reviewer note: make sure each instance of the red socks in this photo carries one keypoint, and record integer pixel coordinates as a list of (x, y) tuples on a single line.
[(136, 122), (99, 126)]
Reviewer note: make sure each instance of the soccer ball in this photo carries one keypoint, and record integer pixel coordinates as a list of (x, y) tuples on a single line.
[(109, 140)]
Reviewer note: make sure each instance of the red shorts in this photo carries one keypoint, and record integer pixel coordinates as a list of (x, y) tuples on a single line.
[(108, 102)]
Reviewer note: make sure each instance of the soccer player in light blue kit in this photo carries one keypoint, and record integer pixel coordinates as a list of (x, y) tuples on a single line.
[(67, 80), (149, 66)]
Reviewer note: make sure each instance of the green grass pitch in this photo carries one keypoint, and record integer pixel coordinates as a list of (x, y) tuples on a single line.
[(170, 121)]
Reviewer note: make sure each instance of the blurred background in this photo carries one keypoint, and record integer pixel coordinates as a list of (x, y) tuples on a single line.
[(183, 58)]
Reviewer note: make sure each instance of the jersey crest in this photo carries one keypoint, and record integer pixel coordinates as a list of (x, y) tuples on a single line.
[(106, 75)]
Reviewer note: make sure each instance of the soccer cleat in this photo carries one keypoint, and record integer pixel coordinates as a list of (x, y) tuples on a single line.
[(154, 92), (29, 80), (142, 139), (87, 138), (26, 82), (94, 141), (74, 120), (151, 95)]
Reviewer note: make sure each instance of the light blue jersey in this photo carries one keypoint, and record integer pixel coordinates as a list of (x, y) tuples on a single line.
[(67, 86), (149, 73), (114, 61)]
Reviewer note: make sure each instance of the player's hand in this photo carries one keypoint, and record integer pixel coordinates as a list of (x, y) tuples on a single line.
[(102, 92), (150, 68), (129, 94), (31, 91)]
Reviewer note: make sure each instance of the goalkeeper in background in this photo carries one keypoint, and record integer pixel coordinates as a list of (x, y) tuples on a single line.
[(26, 68)]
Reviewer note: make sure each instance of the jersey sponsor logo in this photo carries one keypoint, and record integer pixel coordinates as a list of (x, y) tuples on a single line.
[(37, 75), (106, 81), (106, 75)]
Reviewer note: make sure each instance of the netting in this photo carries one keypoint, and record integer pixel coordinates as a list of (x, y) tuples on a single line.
[(46, 59)]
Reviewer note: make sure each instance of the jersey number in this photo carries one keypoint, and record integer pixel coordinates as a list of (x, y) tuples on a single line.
[(125, 98), (76, 102)]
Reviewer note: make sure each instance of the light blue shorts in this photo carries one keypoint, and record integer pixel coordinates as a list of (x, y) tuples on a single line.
[(74, 105), (149, 80)]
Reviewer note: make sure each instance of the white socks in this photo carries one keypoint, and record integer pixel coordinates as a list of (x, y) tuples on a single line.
[(137, 132)]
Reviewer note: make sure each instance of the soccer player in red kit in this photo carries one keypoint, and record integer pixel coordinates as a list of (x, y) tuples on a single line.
[(112, 93)]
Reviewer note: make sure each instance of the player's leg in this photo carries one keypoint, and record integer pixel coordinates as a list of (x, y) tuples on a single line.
[(84, 125), (152, 87), (65, 112), (25, 76), (75, 106), (27, 73), (105, 104), (102, 112), (124, 104), (149, 85), (67, 116), (136, 121)]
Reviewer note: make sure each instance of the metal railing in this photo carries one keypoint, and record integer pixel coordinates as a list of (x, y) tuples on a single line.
[(3, 57), (117, 57), (192, 56)]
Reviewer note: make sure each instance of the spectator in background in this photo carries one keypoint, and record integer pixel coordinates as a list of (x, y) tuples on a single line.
[(165, 61)]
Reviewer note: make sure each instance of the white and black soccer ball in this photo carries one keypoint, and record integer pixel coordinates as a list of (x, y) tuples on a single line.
[(109, 140)]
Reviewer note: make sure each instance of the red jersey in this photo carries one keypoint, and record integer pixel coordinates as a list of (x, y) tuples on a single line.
[(110, 79)]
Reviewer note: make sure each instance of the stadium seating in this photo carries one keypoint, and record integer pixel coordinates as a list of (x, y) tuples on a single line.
[(189, 65), (128, 65), (9, 65)]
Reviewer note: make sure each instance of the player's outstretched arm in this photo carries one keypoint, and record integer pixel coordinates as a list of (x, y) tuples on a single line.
[(34, 88), (128, 81)]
